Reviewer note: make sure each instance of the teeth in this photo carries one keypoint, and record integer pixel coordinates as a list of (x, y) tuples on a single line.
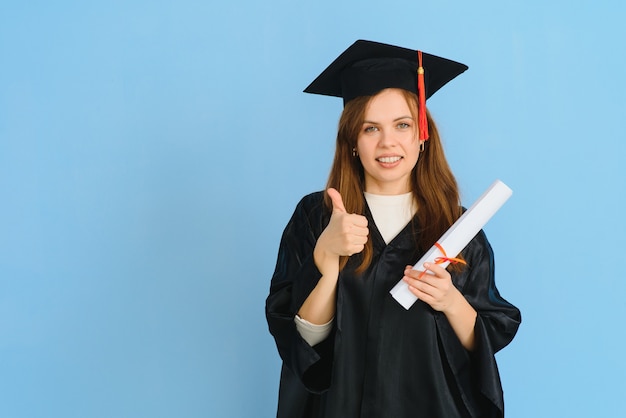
[(389, 159)]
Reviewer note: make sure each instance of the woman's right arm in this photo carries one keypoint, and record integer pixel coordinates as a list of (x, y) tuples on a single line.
[(346, 234), (294, 283)]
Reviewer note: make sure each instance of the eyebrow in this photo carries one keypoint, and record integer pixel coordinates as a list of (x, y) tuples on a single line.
[(395, 120)]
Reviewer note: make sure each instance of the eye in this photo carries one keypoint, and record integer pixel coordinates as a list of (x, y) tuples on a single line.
[(404, 125), (370, 129)]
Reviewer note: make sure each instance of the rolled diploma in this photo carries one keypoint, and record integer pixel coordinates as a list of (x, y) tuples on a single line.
[(456, 238)]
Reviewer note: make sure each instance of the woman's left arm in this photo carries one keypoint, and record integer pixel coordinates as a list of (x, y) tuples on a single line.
[(481, 318), (435, 288)]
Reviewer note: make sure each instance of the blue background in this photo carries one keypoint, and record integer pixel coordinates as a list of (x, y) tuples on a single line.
[(152, 152)]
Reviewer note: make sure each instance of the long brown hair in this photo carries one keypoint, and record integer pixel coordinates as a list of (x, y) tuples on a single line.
[(433, 185)]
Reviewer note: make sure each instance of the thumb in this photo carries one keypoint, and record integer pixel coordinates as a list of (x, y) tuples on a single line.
[(335, 197)]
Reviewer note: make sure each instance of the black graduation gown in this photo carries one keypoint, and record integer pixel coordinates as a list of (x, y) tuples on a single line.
[(380, 359)]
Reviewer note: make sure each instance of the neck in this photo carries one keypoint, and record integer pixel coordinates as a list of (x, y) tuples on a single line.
[(387, 189)]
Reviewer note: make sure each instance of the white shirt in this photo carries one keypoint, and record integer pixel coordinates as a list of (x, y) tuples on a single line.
[(391, 213)]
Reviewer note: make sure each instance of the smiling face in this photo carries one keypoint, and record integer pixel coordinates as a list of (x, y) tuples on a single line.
[(387, 144)]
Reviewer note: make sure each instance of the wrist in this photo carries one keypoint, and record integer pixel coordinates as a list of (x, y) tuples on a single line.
[(458, 304), (327, 263)]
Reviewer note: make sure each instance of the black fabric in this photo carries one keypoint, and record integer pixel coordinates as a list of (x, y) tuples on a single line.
[(382, 360), (368, 67)]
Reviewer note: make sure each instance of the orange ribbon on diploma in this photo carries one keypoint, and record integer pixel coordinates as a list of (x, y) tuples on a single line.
[(444, 259)]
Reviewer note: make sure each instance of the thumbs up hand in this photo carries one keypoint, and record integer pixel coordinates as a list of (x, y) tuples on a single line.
[(345, 234)]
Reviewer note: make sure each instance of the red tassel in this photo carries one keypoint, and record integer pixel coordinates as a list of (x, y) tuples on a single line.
[(422, 123)]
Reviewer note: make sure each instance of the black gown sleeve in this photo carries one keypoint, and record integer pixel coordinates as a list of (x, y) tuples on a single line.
[(295, 276), (476, 373)]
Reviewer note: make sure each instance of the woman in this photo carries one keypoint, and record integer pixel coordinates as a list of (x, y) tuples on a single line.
[(348, 348)]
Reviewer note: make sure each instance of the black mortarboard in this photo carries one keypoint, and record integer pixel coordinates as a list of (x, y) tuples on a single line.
[(367, 67)]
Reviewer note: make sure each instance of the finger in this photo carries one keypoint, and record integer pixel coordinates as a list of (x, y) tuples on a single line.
[(416, 274), (358, 240), (409, 271), (335, 197), (413, 270), (417, 279), (420, 289), (361, 231), (436, 269), (357, 249), (359, 220)]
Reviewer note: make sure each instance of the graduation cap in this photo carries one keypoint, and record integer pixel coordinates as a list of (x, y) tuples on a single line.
[(367, 67)]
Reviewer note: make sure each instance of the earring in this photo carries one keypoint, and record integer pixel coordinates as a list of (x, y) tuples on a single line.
[(422, 146), (355, 153)]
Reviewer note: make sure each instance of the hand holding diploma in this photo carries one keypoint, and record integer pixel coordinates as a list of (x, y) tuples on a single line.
[(457, 237), (433, 286)]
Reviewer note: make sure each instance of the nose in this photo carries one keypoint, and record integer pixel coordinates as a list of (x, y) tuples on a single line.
[(387, 138)]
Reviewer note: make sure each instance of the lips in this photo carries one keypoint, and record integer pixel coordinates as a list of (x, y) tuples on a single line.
[(389, 160)]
